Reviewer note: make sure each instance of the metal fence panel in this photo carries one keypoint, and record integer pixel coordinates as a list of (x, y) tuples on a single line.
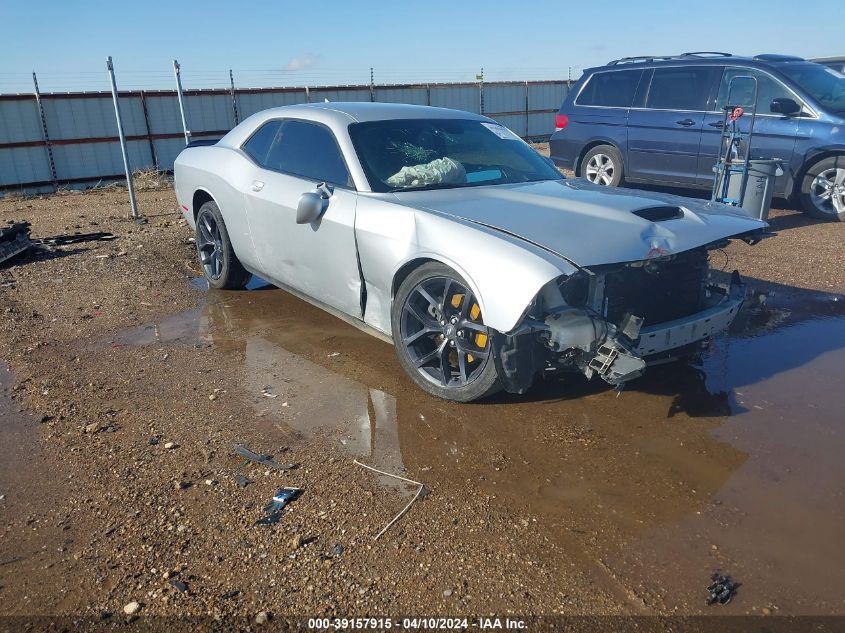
[(163, 112), (509, 97), (209, 112), (459, 96), (340, 94), (251, 102), (94, 160), (19, 121), (24, 164), (547, 96), (91, 117), (402, 94)]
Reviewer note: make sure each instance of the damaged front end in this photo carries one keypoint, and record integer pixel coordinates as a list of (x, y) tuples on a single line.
[(612, 321)]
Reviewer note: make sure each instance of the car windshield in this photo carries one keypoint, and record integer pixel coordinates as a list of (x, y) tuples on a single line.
[(824, 84), (416, 154)]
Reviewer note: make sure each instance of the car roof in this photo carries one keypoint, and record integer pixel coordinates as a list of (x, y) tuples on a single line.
[(360, 112)]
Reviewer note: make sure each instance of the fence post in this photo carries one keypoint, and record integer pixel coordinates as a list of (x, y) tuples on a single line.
[(44, 134), (177, 71), (526, 109), (149, 130), (129, 184), (234, 99), (307, 95), (480, 79), (428, 94)]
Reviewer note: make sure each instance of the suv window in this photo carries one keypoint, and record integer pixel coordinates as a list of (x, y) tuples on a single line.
[(299, 148), (681, 87), (612, 89), (742, 91)]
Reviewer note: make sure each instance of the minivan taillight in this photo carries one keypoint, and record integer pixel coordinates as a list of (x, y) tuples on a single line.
[(561, 121)]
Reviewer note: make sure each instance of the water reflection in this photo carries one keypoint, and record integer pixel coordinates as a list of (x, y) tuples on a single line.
[(742, 452)]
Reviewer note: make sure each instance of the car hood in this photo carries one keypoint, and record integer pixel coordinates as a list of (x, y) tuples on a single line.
[(588, 224)]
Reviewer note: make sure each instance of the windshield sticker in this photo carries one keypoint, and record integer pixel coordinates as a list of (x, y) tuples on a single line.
[(501, 131)]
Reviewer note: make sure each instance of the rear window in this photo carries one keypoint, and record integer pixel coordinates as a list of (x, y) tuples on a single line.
[(681, 88), (610, 89)]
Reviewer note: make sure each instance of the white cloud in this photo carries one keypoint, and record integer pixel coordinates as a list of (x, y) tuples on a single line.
[(301, 62)]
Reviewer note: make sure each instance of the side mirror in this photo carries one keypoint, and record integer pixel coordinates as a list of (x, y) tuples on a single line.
[(311, 204), (785, 106)]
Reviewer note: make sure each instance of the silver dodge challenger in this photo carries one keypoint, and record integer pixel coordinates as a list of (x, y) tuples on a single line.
[(446, 234)]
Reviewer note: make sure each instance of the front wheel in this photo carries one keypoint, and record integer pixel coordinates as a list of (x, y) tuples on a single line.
[(440, 336), (823, 189)]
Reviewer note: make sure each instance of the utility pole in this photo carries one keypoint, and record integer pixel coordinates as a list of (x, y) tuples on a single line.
[(129, 184)]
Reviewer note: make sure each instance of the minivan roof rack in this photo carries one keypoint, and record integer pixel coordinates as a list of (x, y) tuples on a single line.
[(772, 57), (640, 58), (706, 54)]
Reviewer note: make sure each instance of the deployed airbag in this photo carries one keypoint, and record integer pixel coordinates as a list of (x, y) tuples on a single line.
[(440, 170)]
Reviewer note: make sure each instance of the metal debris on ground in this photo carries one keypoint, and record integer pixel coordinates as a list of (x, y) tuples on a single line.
[(421, 490), (76, 238), (722, 589), (264, 460), (273, 510), (14, 239)]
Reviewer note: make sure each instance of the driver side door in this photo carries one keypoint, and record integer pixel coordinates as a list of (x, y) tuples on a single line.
[(291, 157)]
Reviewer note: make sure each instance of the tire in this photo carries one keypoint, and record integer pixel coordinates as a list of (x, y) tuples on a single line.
[(220, 265), (602, 165), (437, 329), (822, 192)]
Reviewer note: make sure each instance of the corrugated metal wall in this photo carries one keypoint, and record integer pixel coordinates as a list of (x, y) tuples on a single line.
[(81, 144)]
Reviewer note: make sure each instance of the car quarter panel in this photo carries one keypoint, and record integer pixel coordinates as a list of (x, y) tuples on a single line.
[(504, 272), (218, 171)]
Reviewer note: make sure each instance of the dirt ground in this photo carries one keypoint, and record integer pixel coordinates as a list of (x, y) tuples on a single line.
[(129, 384)]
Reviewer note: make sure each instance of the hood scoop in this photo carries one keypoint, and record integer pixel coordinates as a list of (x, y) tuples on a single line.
[(659, 214)]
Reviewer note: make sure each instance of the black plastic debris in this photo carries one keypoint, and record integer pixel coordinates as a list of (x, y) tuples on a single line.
[(14, 239), (722, 589), (273, 510), (264, 460)]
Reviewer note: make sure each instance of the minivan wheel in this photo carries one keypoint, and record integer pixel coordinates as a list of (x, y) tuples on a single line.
[(823, 189), (602, 165)]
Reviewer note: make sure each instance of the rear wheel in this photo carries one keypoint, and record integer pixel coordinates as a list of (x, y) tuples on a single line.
[(823, 189), (440, 336), (220, 265), (602, 165)]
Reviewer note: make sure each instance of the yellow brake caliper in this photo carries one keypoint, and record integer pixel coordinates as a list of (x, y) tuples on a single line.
[(474, 313)]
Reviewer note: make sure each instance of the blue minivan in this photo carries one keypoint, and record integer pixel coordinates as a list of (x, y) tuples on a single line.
[(658, 120)]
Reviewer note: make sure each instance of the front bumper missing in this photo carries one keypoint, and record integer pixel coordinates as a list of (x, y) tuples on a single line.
[(618, 354)]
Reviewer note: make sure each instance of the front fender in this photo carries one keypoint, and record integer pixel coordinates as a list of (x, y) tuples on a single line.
[(503, 271)]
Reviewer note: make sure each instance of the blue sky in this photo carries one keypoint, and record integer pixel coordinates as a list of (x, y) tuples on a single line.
[(286, 43)]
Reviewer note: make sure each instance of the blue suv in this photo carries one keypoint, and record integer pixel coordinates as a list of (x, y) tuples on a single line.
[(658, 120)]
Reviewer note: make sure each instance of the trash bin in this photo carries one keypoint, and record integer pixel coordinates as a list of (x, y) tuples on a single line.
[(759, 186)]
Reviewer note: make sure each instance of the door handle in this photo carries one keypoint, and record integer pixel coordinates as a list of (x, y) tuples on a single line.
[(257, 185), (685, 122), (718, 124)]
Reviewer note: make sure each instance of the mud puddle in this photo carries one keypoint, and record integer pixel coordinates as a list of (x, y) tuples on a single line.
[(35, 534), (734, 465)]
